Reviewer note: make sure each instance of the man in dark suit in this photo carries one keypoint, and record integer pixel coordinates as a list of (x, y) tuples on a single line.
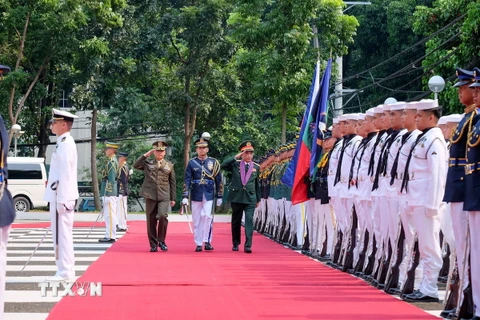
[(244, 192), (158, 189)]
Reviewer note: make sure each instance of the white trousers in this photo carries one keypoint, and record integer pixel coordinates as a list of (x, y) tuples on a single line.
[(474, 221), (447, 228), (65, 259), (122, 210), (298, 214), (312, 222), (407, 223), (110, 217), (288, 214), (202, 221), (4, 231), (428, 231), (325, 222), (459, 224)]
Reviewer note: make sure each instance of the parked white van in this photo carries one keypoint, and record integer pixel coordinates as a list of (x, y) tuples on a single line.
[(27, 179)]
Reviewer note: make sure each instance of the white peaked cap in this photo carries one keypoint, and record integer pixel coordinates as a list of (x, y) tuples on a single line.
[(370, 112), (63, 115), (427, 104), (454, 118), (398, 106), (378, 109), (443, 120), (352, 116), (411, 105)]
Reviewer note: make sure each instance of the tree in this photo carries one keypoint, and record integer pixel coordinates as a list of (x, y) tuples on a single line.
[(453, 27)]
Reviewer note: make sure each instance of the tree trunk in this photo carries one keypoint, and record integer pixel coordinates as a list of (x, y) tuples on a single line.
[(284, 123), (93, 161), (187, 127)]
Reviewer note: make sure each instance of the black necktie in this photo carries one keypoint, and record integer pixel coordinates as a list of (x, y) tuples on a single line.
[(246, 167), (406, 174), (393, 173)]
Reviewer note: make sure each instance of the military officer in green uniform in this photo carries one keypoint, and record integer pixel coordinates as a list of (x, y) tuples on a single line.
[(159, 191), (244, 192), (109, 192)]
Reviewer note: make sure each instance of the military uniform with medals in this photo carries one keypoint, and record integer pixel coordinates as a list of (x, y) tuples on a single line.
[(203, 183), (244, 195), (159, 191)]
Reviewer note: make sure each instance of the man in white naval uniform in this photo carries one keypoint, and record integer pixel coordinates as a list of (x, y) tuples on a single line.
[(392, 214), (363, 184), (382, 123), (408, 140), (337, 132), (342, 178), (424, 181), (62, 194)]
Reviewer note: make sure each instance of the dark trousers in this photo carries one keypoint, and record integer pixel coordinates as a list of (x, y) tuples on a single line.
[(237, 213), (157, 221)]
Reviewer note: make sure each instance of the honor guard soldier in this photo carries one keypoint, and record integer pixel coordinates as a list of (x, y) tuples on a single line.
[(122, 204), (159, 191), (424, 181), (455, 187), (472, 200), (62, 193), (244, 192), (203, 183), (109, 192)]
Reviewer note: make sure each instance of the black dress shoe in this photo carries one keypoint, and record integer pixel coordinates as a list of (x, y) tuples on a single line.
[(235, 247), (106, 240), (163, 246), (198, 249), (419, 297), (153, 249), (208, 247), (247, 250), (474, 318)]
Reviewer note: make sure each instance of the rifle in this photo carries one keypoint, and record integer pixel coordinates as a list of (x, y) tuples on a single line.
[(409, 284), (393, 272), (452, 290), (348, 261), (368, 270)]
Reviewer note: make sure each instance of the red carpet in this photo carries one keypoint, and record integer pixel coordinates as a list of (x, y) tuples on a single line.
[(272, 283)]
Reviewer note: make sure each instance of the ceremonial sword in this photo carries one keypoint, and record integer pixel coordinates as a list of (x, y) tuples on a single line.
[(186, 213), (39, 244)]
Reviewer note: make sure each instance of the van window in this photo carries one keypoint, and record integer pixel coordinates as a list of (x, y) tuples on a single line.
[(24, 171)]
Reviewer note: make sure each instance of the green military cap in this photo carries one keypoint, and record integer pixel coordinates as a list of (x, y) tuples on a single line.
[(159, 145), (246, 146)]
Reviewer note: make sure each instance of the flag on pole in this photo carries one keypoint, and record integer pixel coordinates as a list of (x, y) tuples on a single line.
[(320, 120), (298, 167)]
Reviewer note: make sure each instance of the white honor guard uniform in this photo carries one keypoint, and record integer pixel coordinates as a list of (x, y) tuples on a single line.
[(62, 193), (378, 202), (424, 181), (408, 142), (332, 170), (364, 188), (122, 199), (393, 212), (347, 154)]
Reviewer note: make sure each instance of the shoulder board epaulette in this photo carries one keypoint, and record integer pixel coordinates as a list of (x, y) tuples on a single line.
[(64, 138)]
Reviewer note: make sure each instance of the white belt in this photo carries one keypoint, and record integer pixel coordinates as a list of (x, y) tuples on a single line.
[(416, 175)]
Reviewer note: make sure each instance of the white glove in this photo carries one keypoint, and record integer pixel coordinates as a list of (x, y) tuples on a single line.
[(184, 202), (431, 212), (130, 172), (219, 202)]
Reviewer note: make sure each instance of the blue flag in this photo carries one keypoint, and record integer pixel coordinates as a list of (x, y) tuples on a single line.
[(320, 119)]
